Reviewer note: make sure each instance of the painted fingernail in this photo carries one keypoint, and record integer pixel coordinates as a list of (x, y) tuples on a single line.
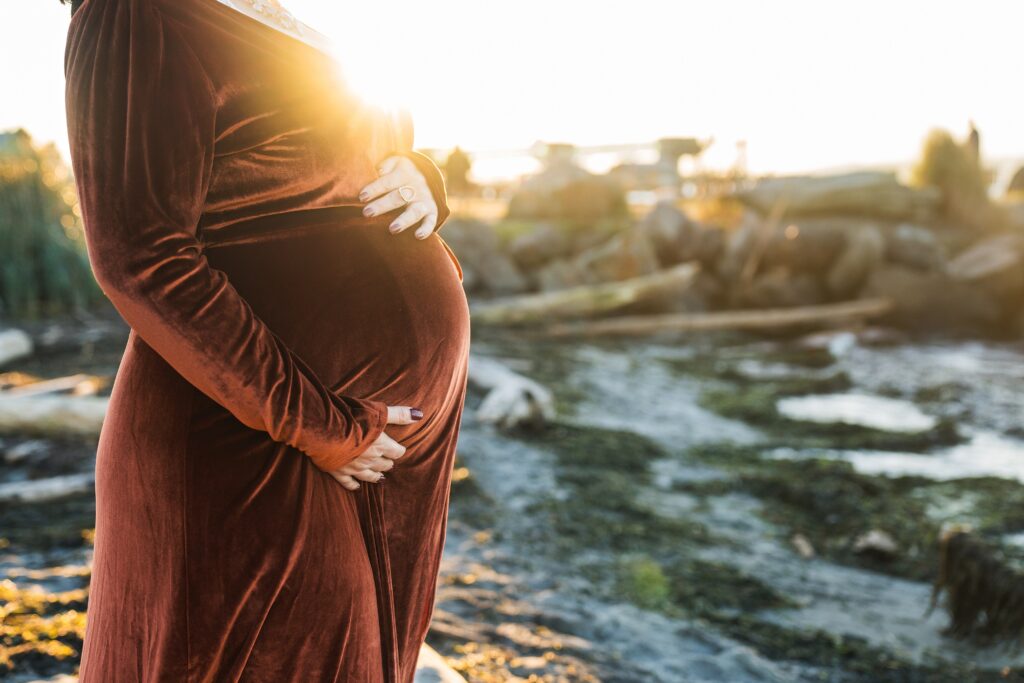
[(363, 196), (416, 413), (393, 227), (368, 211)]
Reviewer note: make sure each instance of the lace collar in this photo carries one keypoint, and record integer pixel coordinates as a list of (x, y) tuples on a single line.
[(274, 16)]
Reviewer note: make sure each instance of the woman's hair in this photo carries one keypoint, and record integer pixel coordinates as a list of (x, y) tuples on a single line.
[(74, 4)]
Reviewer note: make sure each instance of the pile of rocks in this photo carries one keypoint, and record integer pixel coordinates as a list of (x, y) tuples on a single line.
[(802, 241)]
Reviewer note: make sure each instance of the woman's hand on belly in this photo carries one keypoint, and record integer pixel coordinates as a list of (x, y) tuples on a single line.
[(401, 184), (380, 456)]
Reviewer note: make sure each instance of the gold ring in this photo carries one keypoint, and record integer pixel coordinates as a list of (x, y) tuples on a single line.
[(401, 193)]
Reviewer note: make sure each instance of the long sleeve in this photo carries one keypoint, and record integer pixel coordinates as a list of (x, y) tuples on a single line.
[(141, 113), (426, 166)]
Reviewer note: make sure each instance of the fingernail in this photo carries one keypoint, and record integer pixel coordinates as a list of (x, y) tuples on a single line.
[(393, 226), (416, 413), (368, 211), (363, 196)]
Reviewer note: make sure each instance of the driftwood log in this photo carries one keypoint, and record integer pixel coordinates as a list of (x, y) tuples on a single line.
[(51, 488), (764, 319), (588, 301), (862, 193), (51, 415), (81, 384), (512, 400)]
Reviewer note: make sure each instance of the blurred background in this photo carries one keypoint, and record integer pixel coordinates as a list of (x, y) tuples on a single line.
[(747, 292)]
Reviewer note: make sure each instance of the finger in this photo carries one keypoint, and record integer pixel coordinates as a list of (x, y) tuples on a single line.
[(366, 459), (403, 415), (393, 451), (380, 186), (381, 465), (346, 481), (369, 476), (389, 202), (415, 212), (424, 231), (389, 164), (393, 175)]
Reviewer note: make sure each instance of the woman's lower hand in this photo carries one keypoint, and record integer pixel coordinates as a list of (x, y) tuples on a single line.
[(399, 176), (380, 456)]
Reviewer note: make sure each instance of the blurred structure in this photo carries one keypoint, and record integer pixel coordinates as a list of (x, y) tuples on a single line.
[(456, 171), (662, 176), (563, 190)]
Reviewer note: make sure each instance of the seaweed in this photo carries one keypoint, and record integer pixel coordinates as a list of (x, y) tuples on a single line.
[(984, 594)]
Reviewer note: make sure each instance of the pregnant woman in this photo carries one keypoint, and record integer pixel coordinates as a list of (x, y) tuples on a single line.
[(299, 328)]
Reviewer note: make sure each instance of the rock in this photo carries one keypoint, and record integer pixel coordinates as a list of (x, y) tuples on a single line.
[(864, 251), (544, 243), (14, 344), (865, 193), (932, 300), (485, 266), (668, 229), (876, 542), (994, 264), (1015, 214), (431, 668), (812, 245), (780, 288), (624, 256), (677, 239), (512, 400), (709, 246), (809, 245), (803, 546), (739, 244), (1016, 182), (914, 246), (568, 193), (559, 275)]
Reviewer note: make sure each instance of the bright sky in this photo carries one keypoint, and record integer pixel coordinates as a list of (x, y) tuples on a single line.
[(808, 84)]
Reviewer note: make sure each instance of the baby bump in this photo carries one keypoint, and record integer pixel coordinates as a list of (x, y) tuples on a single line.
[(373, 314)]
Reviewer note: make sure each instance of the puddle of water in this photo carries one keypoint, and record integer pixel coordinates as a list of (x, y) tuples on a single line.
[(985, 454), (635, 392), (865, 410)]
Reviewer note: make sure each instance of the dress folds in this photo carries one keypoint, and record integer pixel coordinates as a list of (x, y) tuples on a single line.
[(218, 163)]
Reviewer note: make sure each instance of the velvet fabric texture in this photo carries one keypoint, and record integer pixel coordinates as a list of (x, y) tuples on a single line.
[(218, 163)]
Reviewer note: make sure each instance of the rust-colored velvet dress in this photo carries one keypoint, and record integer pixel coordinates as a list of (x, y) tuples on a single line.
[(219, 162)]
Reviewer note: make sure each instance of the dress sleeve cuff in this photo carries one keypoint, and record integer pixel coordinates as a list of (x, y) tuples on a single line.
[(374, 419), (435, 180)]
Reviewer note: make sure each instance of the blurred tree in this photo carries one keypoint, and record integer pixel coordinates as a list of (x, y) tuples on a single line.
[(955, 169), (45, 267), (456, 171)]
